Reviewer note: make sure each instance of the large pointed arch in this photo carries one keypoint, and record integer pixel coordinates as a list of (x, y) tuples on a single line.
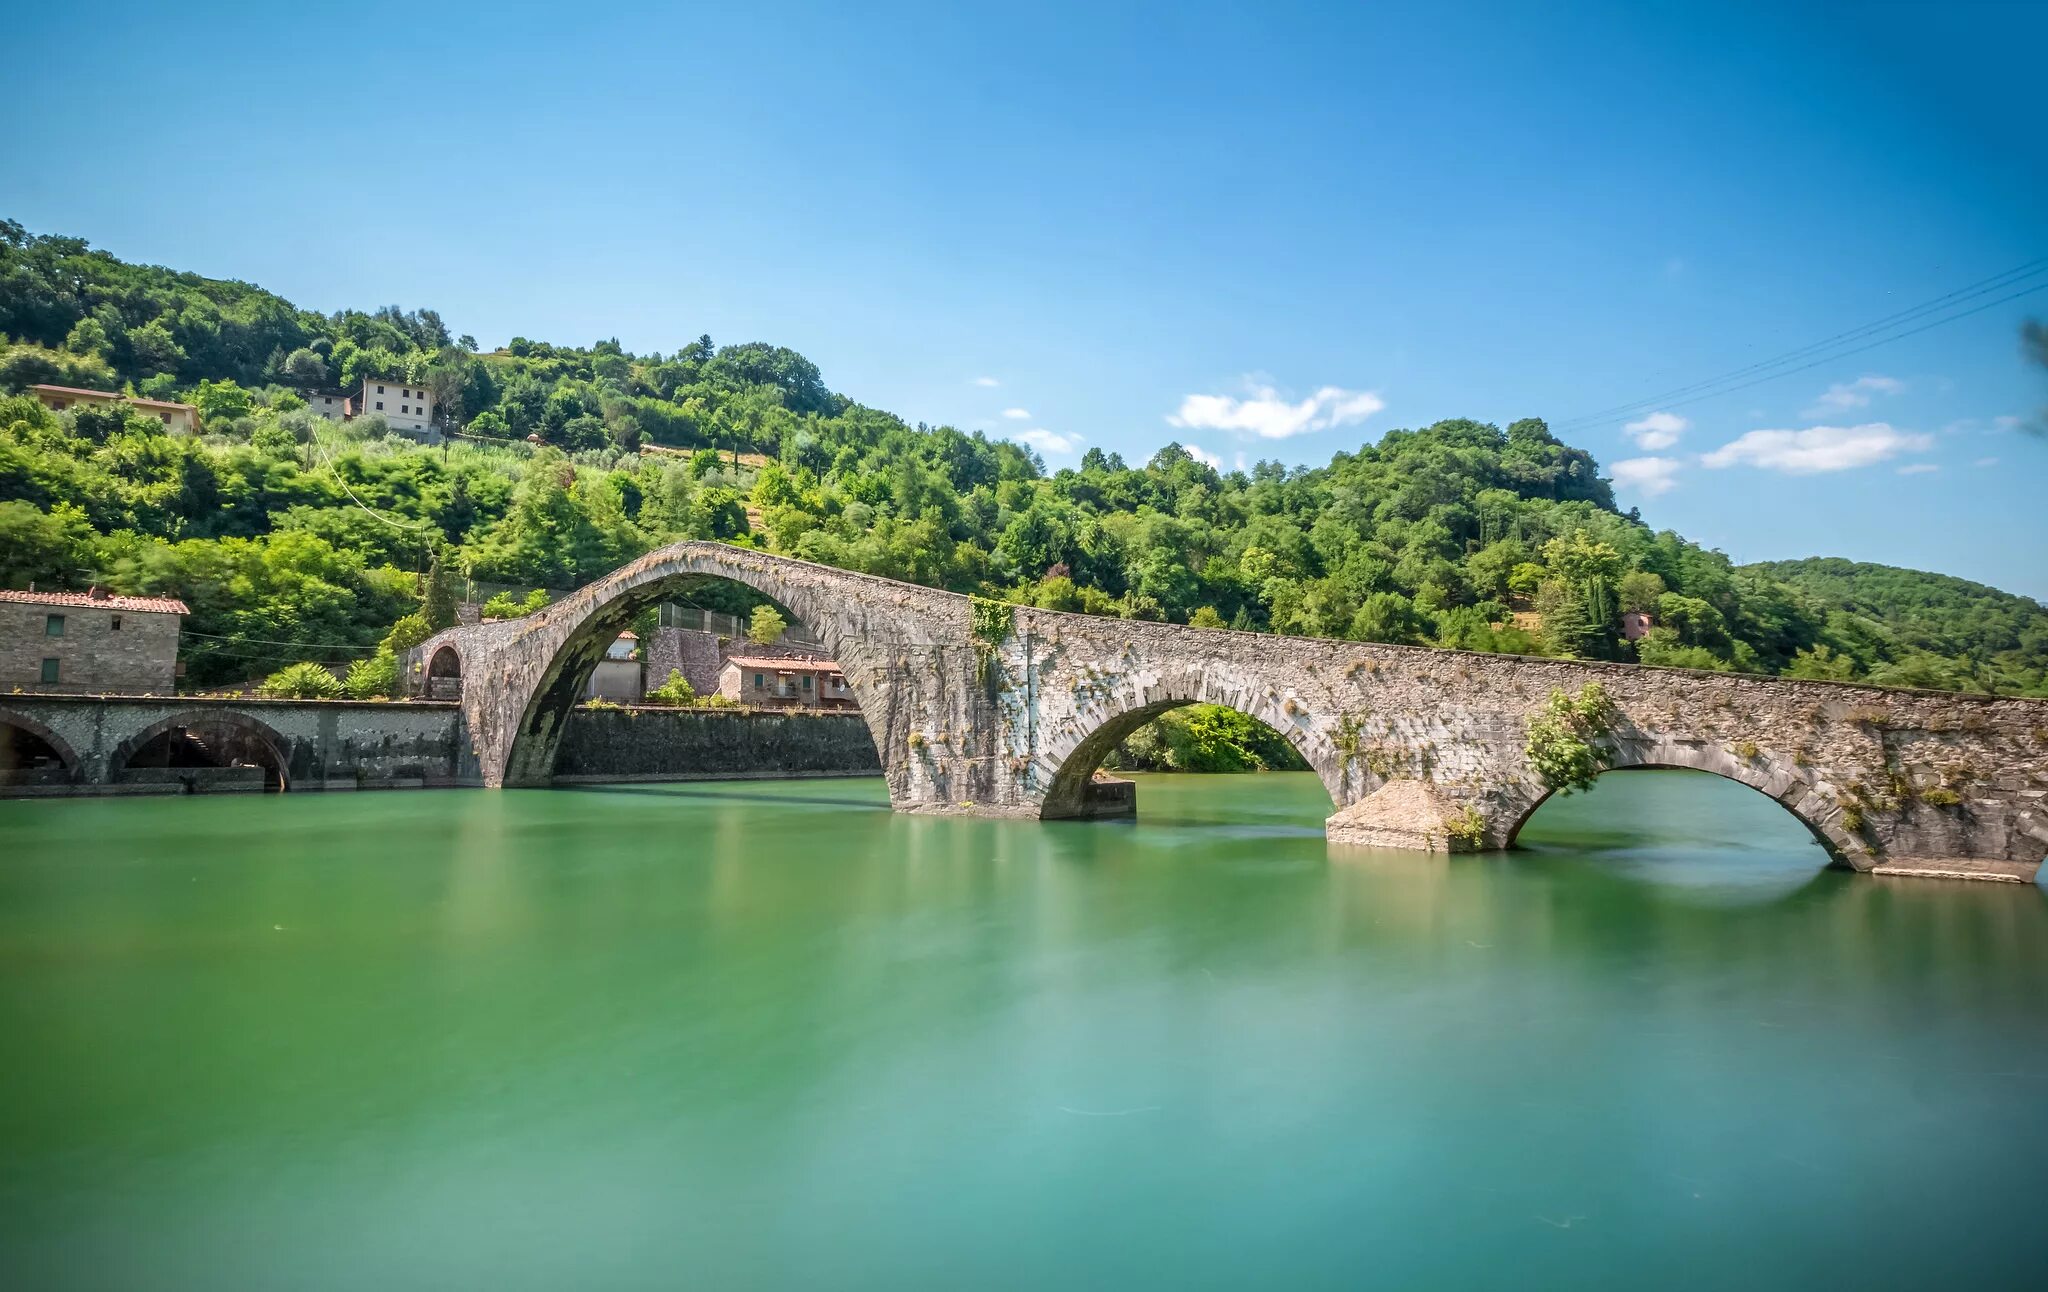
[(1780, 781), (565, 641)]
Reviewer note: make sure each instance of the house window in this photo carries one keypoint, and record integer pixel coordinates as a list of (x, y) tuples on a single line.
[(380, 405), (53, 625), (115, 625), (380, 390), (50, 669), (757, 681), (807, 681), (166, 417)]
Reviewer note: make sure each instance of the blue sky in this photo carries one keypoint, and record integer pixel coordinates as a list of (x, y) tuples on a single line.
[(1261, 230)]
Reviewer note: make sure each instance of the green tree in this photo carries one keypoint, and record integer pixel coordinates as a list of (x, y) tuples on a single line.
[(439, 601), (766, 626), (676, 692)]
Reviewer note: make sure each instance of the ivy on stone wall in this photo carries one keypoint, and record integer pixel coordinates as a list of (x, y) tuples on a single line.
[(988, 623)]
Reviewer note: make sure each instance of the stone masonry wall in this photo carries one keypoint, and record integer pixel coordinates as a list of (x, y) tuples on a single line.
[(348, 745), (710, 744), (140, 658)]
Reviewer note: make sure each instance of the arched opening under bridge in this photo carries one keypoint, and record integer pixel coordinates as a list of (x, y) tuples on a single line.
[(30, 753), (1680, 826), (804, 669), (1191, 732), (194, 748)]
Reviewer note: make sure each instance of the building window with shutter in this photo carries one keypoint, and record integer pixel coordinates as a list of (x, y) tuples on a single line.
[(50, 669), (53, 625), (115, 624)]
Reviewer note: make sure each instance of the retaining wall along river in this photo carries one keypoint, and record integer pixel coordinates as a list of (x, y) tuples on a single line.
[(92, 745)]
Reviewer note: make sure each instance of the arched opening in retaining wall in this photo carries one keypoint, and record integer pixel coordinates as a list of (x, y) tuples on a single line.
[(1664, 812), (1079, 788), (790, 679), (444, 675), (196, 748), (31, 753)]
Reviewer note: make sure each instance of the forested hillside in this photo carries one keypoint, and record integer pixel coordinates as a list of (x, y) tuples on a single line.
[(297, 538), (1986, 633)]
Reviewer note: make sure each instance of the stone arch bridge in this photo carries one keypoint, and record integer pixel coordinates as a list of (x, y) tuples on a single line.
[(1418, 747)]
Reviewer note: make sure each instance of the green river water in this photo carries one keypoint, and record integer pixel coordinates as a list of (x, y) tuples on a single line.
[(769, 1035)]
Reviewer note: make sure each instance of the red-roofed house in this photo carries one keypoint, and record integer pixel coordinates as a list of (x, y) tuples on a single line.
[(179, 417), (800, 682), (89, 641)]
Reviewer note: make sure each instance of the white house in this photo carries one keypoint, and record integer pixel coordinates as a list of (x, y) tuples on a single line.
[(330, 406), (405, 407), (617, 676)]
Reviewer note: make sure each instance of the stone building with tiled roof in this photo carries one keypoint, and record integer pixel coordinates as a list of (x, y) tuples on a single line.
[(92, 642), (785, 681)]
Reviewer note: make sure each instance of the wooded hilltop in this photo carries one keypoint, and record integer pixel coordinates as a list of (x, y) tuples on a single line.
[(293, 537)]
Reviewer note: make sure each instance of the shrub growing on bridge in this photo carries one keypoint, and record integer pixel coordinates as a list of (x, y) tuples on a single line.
[(1562, 738), (301, 682), (375, 678)]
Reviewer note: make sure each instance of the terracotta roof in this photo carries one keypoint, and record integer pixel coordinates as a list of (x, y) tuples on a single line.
[(115, 394), (788, 662), (107, 600)]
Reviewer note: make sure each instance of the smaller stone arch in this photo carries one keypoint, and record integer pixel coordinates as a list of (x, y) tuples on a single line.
[(1070, 757), (249, 734), (444, 674), (67, 757), (1785, 784)]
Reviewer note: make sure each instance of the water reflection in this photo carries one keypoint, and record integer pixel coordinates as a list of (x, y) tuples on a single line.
[(774, 1035), (1706, 836)]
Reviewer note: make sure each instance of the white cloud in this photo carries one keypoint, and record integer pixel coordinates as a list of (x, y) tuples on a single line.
[(1270, 416), (1647, 476), (1049, 441), (1239, 463), (1986, 462), (1919, 469), (986, 381), (1819, 448), (1017, 414), (1202, 455), (2005, 423), (1853, 394), (1658, 430)]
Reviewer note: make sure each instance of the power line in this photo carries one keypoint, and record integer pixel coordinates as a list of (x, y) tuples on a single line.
[(1831, 358), (1703, 388), (271, 641), (328, 461)]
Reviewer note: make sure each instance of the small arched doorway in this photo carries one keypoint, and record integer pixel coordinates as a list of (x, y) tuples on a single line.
[(444, 675)]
